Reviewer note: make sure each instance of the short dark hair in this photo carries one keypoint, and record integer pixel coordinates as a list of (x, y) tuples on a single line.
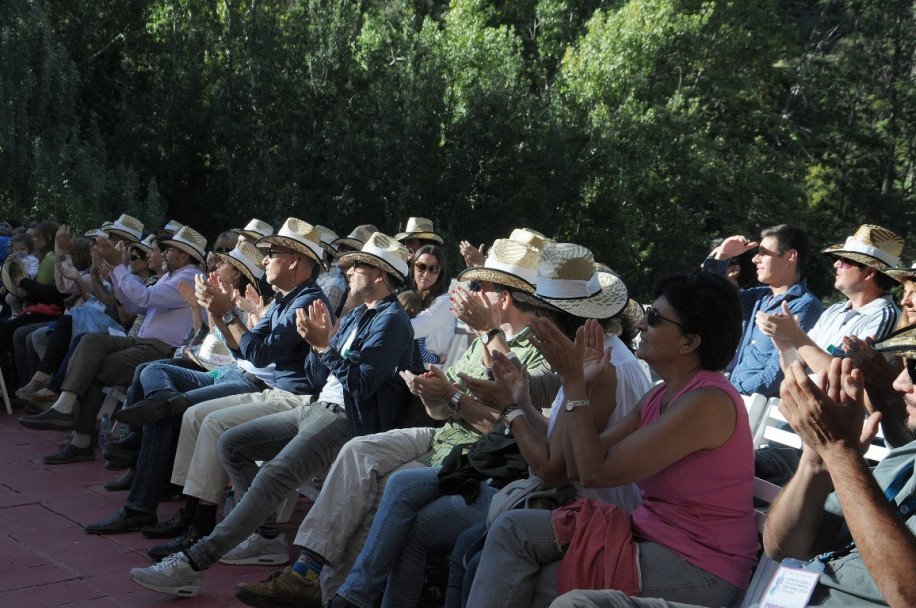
[(708, 306), (789, 237), (884, 282), (518, 304)]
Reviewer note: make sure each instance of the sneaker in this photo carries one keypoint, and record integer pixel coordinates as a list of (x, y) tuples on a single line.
[(259, 551), (173, 576), (284, 588)]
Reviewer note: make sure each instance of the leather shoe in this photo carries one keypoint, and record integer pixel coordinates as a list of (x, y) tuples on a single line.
[(153, 409), (39, 397), (121, 483), (70, 453), (48, 420), (121, 523), (124, 452), (171, 528), (182, 543)]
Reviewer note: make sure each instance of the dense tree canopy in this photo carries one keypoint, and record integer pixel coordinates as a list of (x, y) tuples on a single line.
[(641, 128)]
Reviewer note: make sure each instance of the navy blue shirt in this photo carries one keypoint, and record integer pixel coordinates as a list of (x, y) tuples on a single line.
[(375, 396), (275, 340)]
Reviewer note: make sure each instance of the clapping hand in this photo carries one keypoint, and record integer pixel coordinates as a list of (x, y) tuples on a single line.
[(475, 310), (315, 326), (473, 256)]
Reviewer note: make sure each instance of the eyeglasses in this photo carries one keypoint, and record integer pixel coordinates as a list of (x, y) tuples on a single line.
[(432, 268), (845, 264), (911, 369), (134, 258), (652, 318), (273, 253)]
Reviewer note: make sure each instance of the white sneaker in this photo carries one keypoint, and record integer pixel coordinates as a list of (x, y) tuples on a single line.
[(173, 576), (259, 551)]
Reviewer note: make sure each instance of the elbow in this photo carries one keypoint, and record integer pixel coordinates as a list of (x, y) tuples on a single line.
[(594, 479), (552, 478)]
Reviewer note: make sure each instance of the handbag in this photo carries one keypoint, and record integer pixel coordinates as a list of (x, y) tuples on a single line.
[(529, 493)]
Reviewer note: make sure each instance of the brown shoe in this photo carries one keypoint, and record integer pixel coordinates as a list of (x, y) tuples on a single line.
[(284, 588), (42, 396)]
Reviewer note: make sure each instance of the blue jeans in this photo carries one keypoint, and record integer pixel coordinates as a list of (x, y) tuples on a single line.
[(463, 565), (413, 518), (157, 451)]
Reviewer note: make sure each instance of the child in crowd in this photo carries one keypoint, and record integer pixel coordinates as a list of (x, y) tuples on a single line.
[(23, 246)]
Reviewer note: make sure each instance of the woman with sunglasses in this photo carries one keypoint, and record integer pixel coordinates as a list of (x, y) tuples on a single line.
[(434, 326), (686, 444)]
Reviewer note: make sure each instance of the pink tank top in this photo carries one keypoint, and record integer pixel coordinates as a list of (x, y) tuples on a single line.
[(702, 506)]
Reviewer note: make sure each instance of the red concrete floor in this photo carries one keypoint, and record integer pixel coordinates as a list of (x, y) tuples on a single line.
[(46, 559)]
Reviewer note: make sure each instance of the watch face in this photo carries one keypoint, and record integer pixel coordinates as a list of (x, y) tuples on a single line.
[(570, 406)]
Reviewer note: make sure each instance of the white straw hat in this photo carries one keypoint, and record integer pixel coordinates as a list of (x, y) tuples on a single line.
[(871, 245), (211, 353), (383, 252), (255, 229), (13, 270), (296, 235), (247, 259), (127, 227), (419, 228), (355, 239), (508, 263), (190, 241)]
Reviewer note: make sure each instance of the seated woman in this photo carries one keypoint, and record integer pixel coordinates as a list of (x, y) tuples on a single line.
[(434, 325), (687, 445)]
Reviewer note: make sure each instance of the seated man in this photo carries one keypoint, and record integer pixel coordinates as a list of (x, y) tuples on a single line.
[(275, 357), (780, 260), (103, 360), (362, 394)]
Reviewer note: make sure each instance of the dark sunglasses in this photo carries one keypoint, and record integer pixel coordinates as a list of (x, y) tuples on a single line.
[(432, 269), (844, 263), (652, 318), (475, 285), (911, 369), (273, 253), (134, 258)]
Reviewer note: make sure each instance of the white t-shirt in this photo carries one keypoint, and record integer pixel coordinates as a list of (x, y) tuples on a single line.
[(437, 324), (333, 389)]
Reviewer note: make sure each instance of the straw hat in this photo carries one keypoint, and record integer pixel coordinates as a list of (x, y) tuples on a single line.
[(902, 275), (355, 239), (297, 235), (190, 241), (255, 229), (94, 232), (211, 353), (173, 226), (247, 259), (874, 246), (419, 228), (146, 245), (327, 239), (127, 227), (530, 237), (901, 343), (568, 280), (13, 270), (508, 263), (383, 252)]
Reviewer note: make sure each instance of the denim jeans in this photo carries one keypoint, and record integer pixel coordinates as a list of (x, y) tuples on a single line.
[(413, 518), (298, 444), (463, 565)]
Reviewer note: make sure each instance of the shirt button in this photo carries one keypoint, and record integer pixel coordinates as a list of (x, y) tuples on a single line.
[(904, 510)]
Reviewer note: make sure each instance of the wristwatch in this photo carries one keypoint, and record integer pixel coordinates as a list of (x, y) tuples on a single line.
[(231, 315), (574, 403), (485, 339), (454, 401)]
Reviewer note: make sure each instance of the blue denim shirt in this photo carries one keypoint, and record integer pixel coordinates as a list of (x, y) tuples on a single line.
[(375, 396), (275, 340), (756, 367)]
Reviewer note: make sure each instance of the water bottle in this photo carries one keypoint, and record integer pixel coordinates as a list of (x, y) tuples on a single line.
[(229, 503), (104, 431)]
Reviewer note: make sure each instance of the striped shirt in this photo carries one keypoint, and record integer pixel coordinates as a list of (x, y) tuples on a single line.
[(877, 318)]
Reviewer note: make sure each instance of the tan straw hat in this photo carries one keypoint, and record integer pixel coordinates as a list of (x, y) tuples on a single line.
[(902, 275), (508, 263), (355, 239), (383, 252), (901, 343), (254, 230), (190, 241), (94, 232), (328, 237), (211, 353), (146, 245), (127, 227), (871, 245), (568, 280), (419, 228), (247, 259), (13, 270), (296, 235), (530, 237)]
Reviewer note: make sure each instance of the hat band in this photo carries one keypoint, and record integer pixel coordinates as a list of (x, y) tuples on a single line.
[(257, 272), (855, 245), (188, 243), (393, 260), (527, 274), (566, 289)]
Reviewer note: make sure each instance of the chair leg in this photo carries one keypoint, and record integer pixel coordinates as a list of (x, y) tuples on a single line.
[(6, 397)]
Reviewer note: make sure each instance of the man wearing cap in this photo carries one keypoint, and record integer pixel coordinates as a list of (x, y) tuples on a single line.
[(362, 394), (336, 527), (780, 259), (418, 232), (270, 377), (869, 311), (103, 360)]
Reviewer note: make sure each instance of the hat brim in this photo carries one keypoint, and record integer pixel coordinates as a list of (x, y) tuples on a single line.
[(837, 251), (240, 267), (901, 275), (354, 243), (430, 236), (144, 248), (207, 365), (372, 260), (248, 234), (130, 238), (609, 302), (901, 343), (288, 243), (482, 273), (11, 273), (191, 251)]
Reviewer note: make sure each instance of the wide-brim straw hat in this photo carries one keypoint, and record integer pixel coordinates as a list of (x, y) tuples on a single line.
[(568, 281), (297, 236), (871, 245), (146, 245), (383, 252), (901, 343), (13, 270), (211, 353), (127, 227), (94, 232), (508, 263), (190, 241), (173, 226), (902, 275), (531, 237), (327, 239), (419, 228), (355, 239), (254, 230), (247, 259)]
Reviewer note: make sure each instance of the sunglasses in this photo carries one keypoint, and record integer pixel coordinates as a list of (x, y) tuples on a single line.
[(134, 258), (432, 269), (844, 263), (652, 318), (911, 369), (273, 253)]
